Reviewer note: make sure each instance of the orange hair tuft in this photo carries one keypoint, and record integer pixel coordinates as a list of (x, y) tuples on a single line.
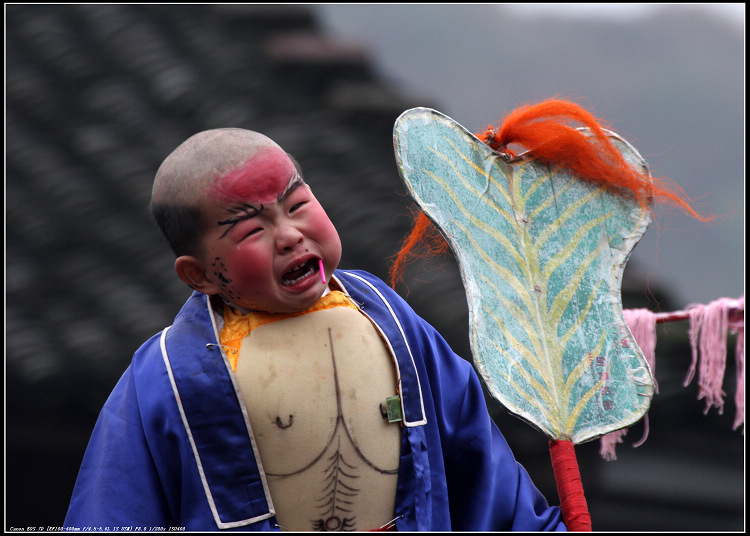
[(424, 240), (546, 131)]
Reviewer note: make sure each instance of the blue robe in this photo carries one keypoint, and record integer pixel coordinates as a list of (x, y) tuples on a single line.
[(173, 448)]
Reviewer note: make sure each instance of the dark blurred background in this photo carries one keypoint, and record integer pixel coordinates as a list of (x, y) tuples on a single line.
[(98, 95)]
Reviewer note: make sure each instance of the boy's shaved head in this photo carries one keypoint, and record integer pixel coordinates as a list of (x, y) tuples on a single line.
[(190, 169), (190, 173)]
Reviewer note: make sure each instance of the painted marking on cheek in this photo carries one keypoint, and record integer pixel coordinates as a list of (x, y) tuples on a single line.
[(261, 178), (225, 283)]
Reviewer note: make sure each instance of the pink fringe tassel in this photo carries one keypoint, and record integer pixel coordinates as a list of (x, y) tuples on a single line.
[(642, 324), (709, 325), (738, 326), (609, 441)]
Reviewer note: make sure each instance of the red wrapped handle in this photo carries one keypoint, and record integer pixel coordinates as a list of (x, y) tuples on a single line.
[(569, 487)]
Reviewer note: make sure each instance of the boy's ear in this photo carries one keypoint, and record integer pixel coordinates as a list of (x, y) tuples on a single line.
[(191, 271)]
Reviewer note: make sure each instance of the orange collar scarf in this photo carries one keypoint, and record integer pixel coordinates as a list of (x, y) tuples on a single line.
[(237, 326)]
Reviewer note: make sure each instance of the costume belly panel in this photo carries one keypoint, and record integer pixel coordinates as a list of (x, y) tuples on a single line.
[(315, 387)]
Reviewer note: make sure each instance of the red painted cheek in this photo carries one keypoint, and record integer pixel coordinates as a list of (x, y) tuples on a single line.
[(251, 266), (262, 178), (321, 224), (321, 230)]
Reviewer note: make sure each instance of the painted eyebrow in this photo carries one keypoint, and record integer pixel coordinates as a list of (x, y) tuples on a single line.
[(295, 182), (241, 213)]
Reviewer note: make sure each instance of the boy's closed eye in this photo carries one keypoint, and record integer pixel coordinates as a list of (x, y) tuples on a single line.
[(255, 231), (249, 227), (242, 213), (297, 206)]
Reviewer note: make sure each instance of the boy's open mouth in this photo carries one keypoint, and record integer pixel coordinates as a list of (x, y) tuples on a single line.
[(300, 272)]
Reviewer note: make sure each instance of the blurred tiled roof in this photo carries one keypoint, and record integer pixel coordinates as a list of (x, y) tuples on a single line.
[(97, 96)]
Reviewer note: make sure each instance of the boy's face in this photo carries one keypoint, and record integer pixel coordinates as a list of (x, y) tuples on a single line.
[(266, 235)]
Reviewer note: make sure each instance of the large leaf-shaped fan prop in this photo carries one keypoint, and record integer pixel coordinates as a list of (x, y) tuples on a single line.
[(541, 254)]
